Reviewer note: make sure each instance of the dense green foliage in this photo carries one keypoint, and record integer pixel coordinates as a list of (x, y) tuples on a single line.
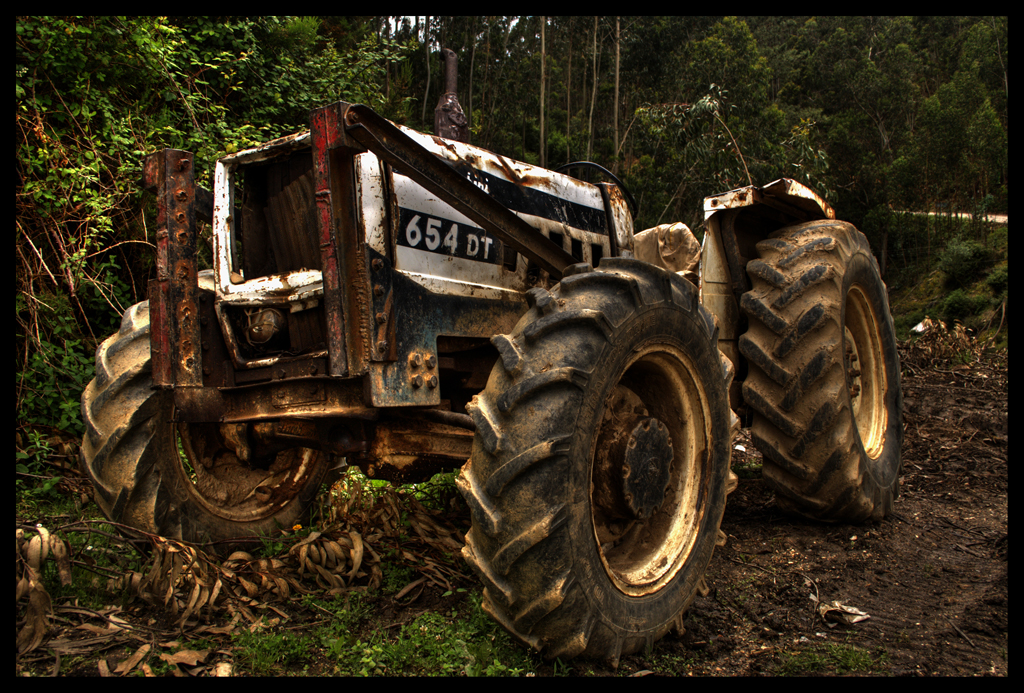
[(93, 96), (876, 113)]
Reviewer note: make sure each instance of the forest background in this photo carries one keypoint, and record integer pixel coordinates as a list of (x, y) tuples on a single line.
[(880, 115)]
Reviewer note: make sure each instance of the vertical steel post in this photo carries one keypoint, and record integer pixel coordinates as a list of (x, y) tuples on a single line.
[(175, 342), (323, 128)]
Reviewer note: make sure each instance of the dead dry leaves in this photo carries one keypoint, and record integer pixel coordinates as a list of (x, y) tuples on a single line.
[(939, 345), (34, 546), (192, 586)]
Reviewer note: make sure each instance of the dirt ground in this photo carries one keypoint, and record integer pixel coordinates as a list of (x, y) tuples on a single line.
[(932, 577)]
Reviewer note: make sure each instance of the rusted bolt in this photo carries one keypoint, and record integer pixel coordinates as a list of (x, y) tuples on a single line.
[(432, 383), (180, 217), (377, 264), (382, 346), (181, 196), (378, 290), (415, 359), (183, 164), (431, 361), (417, 381), (382, 318), (312, 369), (280, 374)]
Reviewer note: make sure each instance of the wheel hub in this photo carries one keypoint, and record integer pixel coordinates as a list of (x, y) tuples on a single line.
[(650, 471), (645, 468), (632, 460)]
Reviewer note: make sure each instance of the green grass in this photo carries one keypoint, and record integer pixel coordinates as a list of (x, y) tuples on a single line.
[(833, 658), (672, 664), (270, 652), (449, 641)]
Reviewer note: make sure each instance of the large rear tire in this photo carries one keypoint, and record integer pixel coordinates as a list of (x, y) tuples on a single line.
[(600, 467), (179, 480), (824, 373)]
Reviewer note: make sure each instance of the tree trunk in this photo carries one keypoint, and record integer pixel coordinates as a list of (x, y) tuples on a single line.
[(615, 117), (593, 98), (472, 59), (426, 46), (568, 91), (543, 149)]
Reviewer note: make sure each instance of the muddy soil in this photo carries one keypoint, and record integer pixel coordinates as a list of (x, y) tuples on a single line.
[(932, 577)]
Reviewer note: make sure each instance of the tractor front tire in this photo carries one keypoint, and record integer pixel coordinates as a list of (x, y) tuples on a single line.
[(824, 373), (600, 467), (180, 480)]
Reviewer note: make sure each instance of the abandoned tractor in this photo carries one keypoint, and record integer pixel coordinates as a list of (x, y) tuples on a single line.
[(406, 303)]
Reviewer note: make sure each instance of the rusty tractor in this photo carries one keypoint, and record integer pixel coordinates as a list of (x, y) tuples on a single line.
[(406, 302)]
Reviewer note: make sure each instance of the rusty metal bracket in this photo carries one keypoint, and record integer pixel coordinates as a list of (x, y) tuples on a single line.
[(175, 340), (411, 159), (327, 135), (613, 235)]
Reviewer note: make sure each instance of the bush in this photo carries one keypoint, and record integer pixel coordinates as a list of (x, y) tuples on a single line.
[(963, 262), (998, 280), (958, 306)]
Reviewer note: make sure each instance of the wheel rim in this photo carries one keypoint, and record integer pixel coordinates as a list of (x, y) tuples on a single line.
[(645, 521), (236, 490), (865, 371)]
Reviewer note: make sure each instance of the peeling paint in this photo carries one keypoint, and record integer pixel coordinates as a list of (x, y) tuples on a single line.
[(784, 191)]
